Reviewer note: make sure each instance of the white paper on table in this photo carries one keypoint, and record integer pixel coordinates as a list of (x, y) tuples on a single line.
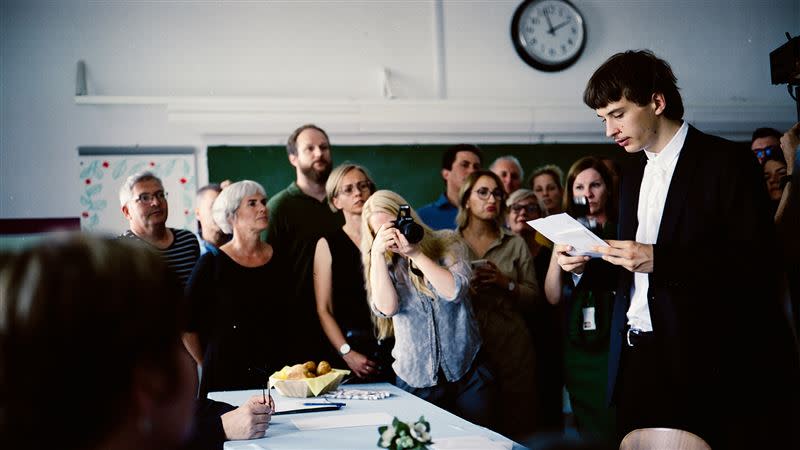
[(343, 421), (563, 229), (476, 442)]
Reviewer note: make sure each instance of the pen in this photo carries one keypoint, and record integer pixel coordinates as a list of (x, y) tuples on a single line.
[(324, 404)]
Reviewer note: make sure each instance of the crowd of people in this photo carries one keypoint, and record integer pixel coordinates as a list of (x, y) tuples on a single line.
[(686, 321)]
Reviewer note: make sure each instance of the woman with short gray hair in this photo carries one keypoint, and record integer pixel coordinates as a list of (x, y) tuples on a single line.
[(231, 295)]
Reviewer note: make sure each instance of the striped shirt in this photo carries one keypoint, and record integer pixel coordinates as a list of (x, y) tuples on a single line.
[(180, 256)]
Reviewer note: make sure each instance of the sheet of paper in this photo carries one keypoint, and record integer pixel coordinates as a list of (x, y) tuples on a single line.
[(476, 442), (342, 421), (563, 229)]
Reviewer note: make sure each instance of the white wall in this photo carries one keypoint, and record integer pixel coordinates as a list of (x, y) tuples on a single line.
[(333, 50)]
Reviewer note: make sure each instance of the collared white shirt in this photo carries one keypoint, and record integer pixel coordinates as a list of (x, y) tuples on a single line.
[(652, 197)]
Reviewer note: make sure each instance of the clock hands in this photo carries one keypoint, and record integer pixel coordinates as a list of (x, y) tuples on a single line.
[(553, 29), (549, 23)]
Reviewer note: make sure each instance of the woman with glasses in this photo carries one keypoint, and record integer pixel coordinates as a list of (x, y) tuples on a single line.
[(339, 283), (421, 290), (504, 289), (586, 289), (233, 297)]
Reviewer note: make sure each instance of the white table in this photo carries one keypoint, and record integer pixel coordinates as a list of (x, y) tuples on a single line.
[(283, 434)]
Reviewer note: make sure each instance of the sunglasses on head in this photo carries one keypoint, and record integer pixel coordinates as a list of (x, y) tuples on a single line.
[(766, 152)]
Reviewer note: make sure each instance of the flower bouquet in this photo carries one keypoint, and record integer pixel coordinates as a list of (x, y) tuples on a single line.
[(400, 435)]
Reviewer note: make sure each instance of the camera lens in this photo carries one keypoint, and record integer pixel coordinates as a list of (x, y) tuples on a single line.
[(412, 231)]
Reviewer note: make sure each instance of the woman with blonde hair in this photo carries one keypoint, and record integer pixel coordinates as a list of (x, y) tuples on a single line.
[(504, 290), (424, 288), (339, 284)]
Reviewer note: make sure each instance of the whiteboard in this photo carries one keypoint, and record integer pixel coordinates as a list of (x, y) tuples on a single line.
[(102, 170)]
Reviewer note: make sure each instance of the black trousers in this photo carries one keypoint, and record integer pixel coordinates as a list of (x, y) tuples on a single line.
[(644, 394)]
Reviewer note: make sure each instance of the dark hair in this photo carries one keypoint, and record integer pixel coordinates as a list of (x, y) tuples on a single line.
[(79, 315), (209, 187), (636, 76), (590, 162), (449, 156), (291, 143), (765, 132)]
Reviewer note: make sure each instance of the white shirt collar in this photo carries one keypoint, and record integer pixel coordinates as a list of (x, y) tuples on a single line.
[(670, 152)]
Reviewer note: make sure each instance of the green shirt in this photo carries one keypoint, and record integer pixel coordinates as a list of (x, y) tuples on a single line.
[(296, 222)]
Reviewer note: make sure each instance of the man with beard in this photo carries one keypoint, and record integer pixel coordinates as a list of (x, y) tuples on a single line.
[(144, 204), (298, 217)]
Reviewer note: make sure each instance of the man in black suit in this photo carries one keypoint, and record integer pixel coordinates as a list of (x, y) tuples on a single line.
[(699, 341)]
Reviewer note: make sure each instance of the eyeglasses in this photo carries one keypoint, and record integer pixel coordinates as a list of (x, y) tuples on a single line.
[(763, 153), (147, 197), (362, 186), (530, 209), (483, 193)]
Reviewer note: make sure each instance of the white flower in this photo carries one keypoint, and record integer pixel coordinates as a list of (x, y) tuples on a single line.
[(405, 442), (387, 436), (420, 433)]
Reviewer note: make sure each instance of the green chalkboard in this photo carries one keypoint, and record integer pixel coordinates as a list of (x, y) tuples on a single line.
[(410, 170)]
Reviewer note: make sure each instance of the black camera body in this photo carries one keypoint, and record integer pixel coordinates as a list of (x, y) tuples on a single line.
[(412, 231), (580, 207), (784, 63)]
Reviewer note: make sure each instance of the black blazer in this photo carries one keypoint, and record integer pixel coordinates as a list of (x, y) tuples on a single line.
[(714, 291)]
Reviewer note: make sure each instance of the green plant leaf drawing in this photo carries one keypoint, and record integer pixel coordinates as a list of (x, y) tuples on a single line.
[(119, 169), (88, 170), (92, 190), (168, 167)]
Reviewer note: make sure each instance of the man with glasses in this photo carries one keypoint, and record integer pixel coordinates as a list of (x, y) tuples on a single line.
[(144, 204), (766, 142)]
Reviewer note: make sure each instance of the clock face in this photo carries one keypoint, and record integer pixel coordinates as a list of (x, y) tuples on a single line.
[(548, 34)]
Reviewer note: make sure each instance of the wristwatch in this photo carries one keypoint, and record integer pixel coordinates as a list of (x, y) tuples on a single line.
[(511, 286), (344, 349)]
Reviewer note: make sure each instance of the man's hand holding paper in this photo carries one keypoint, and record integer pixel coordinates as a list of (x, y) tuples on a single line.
[(563, 229), (632, 255)]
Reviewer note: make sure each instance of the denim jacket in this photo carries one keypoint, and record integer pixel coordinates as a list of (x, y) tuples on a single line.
[(433, 333)]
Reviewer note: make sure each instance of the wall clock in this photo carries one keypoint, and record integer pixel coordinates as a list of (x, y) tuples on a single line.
[(549, 35)]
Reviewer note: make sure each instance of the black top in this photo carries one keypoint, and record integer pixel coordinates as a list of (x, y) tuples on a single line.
[(351, 309), (237, 312), (349, 296)]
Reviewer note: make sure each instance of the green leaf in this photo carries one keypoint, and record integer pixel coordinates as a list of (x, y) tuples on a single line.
[(168, 167), (99, 205), (93, 189), (119, 169), (137, 168), (85, 200), (88, 170)]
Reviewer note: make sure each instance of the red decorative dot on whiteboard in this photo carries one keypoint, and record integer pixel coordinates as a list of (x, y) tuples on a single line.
[(88, 181), (85, 214), (106, 164), (183, 180)]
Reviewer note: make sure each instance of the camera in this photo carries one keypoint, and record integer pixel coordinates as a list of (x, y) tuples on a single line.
[(412, 231), (580, 206), (784, 62)]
